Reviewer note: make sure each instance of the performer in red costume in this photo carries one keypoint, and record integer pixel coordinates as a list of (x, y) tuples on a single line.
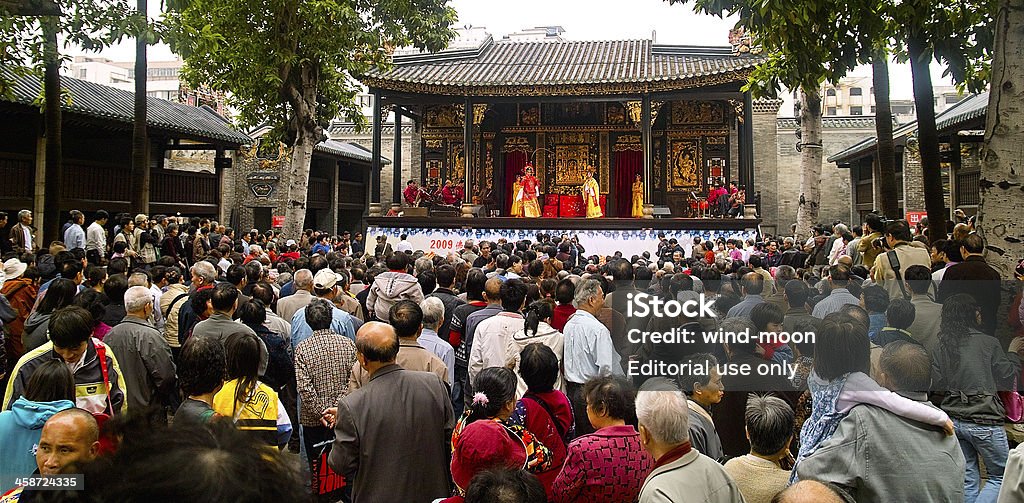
[(410, 193), (447, 193), (531, 194)]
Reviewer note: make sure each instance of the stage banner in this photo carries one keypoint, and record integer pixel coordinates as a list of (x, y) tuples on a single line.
[(596, 242)]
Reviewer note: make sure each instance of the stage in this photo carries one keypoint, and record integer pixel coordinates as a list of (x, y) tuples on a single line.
[(598, 235)]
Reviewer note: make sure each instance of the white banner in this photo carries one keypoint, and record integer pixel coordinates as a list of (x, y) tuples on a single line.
[(596, 242)]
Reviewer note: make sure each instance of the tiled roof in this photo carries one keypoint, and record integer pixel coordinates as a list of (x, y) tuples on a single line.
[(104, 102), (533, 64), (347, 150), (851, 122), (968, 109)]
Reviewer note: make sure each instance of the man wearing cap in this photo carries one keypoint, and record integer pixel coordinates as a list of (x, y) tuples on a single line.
[(325, 286), (291, 250), (370, 420)]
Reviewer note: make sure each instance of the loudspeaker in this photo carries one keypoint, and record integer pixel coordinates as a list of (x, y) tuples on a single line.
[(662, 212)]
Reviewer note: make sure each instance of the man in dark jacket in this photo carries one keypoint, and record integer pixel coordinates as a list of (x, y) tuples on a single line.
[(976, 278), (145, 356), (445, 282), (371, 420)]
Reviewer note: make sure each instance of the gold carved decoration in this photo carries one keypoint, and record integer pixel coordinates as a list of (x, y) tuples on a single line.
[(739, 75), (488, 162), (657, 164), (457, 163), (603, 172), (572, 137), (715, 140), (529, 115), (517, 144), (634, 110), (698, 112), (685, 164), (479, 111), (571, 164), (541, 161), (435, 143), (444, 116), (629, 142), (615, 114), (655, 108)]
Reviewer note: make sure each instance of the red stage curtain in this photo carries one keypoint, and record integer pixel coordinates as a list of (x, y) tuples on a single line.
[(514, 164), (627, 164)]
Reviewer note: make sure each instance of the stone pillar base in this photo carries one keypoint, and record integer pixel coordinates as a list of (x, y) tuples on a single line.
[(469, 210), (749, 211), (376, 210), (648, 211), (395, 208)]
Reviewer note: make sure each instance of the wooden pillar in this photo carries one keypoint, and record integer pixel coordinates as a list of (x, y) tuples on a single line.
[(747, 145), (646, 141), (375, 209), (39, 190), (396, 161), (467, 156)]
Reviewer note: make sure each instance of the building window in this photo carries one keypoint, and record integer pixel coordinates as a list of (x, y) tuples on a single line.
[(365, 100), (872, 110), (830, 111), (951, 99), (856, 110), (82, 73), (830, 92), (856, 91)]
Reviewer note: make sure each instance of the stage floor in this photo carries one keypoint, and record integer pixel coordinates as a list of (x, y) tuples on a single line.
[(569, 224)]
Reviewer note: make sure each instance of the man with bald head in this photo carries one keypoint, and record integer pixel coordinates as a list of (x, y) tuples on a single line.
[(69, 439), (406, 321), (811, 491), (396, 411)]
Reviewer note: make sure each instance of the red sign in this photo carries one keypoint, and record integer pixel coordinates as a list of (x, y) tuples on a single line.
[(277, 221), (914, 217)]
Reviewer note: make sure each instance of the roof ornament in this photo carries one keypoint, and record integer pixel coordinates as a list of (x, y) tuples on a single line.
[(742, 42)]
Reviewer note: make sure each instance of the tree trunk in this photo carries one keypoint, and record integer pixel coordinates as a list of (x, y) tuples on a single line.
[(298, 189), (140, 138), (883, 130), (810, 162), (1002, 165), (928, 139), (52, 121)]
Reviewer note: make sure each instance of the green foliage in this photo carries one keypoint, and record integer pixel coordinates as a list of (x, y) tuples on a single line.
[(273, 55), (810, 41), (89, 24)]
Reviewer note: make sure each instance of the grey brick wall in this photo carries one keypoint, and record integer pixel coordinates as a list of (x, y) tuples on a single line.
[(766, 174)]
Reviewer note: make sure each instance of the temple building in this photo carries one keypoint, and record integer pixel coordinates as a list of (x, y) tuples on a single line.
[(675, 115)]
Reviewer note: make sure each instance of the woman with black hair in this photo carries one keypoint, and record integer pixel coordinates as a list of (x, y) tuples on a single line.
[(544, 410), (484, 439), (60, 294), (50, 390), (201, 369), (252, 405), (96, 303), (280, 368), (969, 368), (537, 330), (609, 465)]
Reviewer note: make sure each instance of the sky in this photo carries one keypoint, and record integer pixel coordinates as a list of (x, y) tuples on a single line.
[(589, 20)]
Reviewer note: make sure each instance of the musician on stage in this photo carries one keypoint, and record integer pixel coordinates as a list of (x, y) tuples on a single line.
[(458, 193), (446, 194), (592, 196), (531, 194), (411, 193), (638, 197)]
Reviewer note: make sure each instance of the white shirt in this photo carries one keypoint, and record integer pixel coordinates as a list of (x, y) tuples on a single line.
[(28, 237), (96, 238), (490, 339), (589, 351), (404, 246)]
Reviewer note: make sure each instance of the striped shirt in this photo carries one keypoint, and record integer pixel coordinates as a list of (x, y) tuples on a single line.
[(323, 362)]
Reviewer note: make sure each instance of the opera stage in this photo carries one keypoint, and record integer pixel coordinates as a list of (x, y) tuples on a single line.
[(598, 235)]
